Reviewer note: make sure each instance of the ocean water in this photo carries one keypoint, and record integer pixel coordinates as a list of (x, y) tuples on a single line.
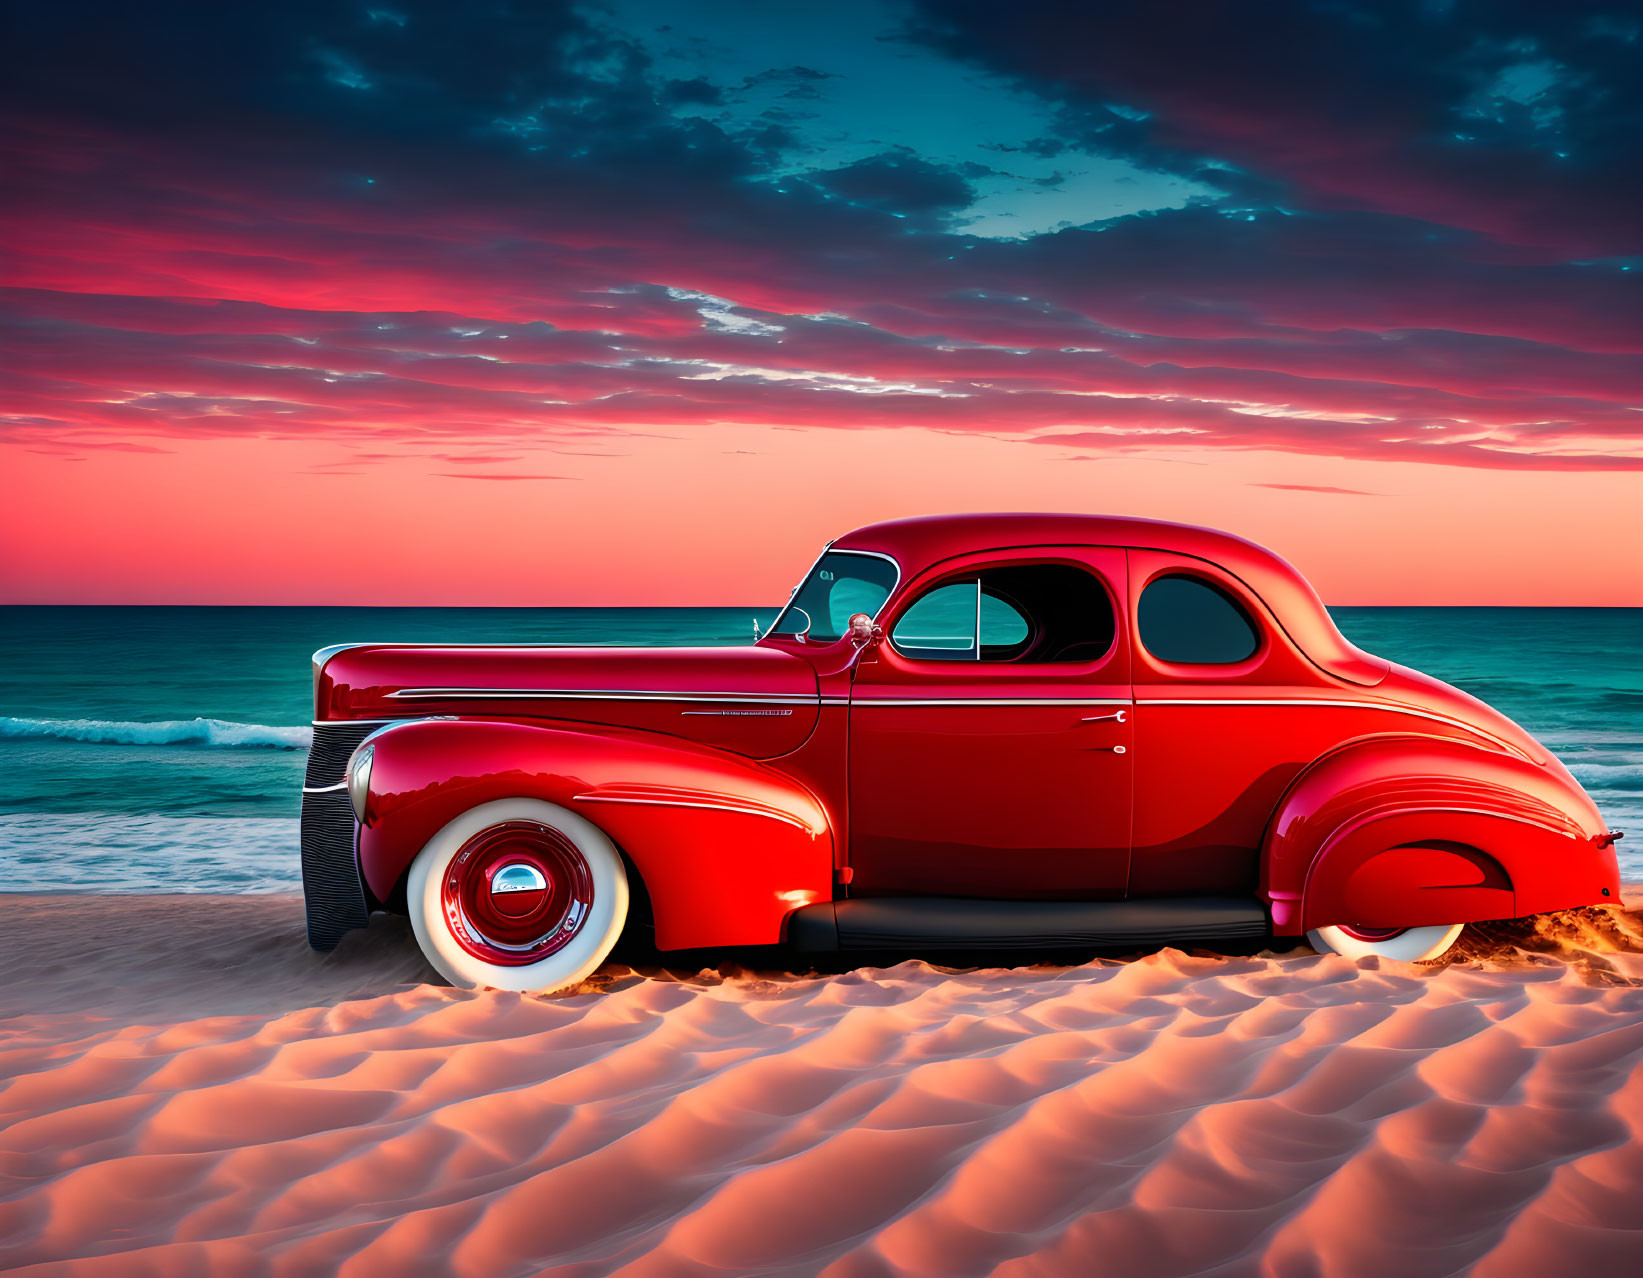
[(162, 749)]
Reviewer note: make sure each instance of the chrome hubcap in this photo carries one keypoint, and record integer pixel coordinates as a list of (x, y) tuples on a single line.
[(518, 877), (516, 892)]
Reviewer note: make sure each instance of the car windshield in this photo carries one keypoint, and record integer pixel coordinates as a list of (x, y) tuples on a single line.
[(842, 583)]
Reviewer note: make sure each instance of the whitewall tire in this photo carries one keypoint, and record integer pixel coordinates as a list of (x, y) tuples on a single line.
[(517, 894), (1406, 945)]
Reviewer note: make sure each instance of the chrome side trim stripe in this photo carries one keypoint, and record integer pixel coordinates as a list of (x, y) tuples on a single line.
[(726, 805), (1265, 701), (864, 703), (1389, 707), (585, 694), (780, 699)]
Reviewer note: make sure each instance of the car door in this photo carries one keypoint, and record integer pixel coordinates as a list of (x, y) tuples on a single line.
[(991, 731), (1227, 712)]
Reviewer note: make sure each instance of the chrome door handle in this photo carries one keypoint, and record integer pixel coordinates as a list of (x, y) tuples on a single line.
[(1101, 718), (1114, 749)]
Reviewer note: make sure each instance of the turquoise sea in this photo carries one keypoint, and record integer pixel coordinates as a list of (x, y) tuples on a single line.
[(162, 749)]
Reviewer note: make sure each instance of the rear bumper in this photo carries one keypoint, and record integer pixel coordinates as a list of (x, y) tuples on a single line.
[(333, 893)]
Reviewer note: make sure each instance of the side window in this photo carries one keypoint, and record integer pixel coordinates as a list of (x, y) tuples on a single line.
[(1021, 613), (941, 625), (1001, 625), (1190, 622)]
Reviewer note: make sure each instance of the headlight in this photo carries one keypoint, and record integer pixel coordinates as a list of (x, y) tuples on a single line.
[(359, 780)]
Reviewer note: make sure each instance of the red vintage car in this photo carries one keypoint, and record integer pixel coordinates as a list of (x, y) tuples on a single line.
[(963, 732)]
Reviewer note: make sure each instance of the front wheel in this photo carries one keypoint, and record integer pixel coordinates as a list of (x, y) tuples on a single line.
[(1405, 944), (518, 895)]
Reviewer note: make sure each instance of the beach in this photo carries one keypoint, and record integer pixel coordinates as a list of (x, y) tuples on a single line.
[(188, 1089)]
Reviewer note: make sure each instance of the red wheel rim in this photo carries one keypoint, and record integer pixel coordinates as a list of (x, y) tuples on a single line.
[(516, 893), (1371, 933)]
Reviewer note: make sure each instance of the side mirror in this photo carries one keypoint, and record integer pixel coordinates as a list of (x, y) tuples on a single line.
[(861, 630)]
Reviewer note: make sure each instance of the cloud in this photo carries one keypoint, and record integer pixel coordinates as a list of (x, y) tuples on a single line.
[(697, 91), (900, 183), (512, 232), (1516, 120), (442, 474), (1319, 488)]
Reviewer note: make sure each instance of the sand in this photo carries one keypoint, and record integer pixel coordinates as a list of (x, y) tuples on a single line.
[(186, 1089)]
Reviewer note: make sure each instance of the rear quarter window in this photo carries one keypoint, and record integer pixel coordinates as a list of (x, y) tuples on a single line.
[(1187, 621)]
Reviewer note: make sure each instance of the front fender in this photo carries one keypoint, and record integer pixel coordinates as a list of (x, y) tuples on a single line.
[(1410, 831), (726, 847)]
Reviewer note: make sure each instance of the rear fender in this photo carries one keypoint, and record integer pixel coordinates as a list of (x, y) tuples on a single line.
[(1411, 831), (726, 847)]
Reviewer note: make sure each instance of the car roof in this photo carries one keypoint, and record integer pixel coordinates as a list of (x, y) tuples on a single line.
[(918, 543)]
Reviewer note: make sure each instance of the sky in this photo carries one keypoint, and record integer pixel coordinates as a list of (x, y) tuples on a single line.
[(636, 302)]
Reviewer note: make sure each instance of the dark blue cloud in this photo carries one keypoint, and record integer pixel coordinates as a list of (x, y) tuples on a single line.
[(1522, 120), (899, 182)]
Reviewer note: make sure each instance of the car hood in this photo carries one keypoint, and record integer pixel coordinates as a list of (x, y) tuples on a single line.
[(756, 701)]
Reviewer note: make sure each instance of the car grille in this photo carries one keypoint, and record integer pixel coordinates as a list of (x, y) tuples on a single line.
[(331, 886)]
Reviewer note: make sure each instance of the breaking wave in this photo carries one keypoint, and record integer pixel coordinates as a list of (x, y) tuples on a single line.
[(1608, 775), (193, 732)]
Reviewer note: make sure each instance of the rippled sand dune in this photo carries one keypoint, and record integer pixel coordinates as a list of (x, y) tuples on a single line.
[(187, 1089)]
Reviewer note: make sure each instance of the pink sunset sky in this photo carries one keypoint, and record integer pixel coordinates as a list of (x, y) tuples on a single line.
[(640, 304)]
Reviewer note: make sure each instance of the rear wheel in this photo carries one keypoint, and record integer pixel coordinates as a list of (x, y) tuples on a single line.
[(518, 894), (1405, 944)]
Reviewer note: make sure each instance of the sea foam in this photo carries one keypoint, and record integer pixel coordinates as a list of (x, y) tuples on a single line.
[(126, 852), (194, 732)]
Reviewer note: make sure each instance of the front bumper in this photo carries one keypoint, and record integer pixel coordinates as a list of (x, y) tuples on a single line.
[(333, 893)]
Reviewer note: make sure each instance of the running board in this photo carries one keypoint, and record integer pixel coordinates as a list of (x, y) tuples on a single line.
[(962, 923)]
